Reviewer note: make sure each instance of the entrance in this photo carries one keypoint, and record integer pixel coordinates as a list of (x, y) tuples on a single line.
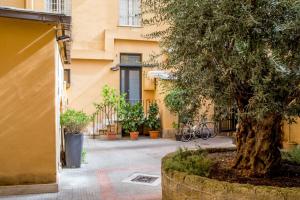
[(131, 80)]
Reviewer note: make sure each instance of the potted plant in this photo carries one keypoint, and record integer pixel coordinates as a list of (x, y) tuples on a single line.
[(176, 102), (108, 106), (153, 121), (73, 123), (178, 133), (132, 117)]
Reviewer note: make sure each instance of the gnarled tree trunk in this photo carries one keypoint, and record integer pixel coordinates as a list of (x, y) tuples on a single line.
[(258, 145)]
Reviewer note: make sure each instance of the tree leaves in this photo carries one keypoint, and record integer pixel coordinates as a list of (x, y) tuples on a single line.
[(238, 52)]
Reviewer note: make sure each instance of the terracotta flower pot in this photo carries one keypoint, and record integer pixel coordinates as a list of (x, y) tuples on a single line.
[(111, 135), (154, 134), (134, 135)]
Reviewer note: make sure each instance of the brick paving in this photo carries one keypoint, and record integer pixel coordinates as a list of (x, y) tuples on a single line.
[(110, 162)]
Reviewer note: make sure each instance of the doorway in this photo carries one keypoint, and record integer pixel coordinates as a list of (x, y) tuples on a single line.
[(131, 77)]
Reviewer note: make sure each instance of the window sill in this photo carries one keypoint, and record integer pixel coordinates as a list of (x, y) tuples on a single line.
[(130, 26)]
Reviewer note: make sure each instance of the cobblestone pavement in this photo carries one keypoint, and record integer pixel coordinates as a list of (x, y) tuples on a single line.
[(110, 162)]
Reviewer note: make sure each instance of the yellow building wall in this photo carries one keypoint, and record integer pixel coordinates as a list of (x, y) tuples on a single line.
[(89, 76), (167, 118), (98, 41), (27, 93), (292, 132), (13, 3)]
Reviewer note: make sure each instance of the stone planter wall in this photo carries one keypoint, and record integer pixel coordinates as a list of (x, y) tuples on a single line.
[(181, 186)]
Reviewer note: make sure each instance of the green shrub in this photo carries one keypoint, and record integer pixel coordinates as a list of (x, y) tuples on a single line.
[(292, 156), (153, 121), (191, 162), (132, 116), (74, 121), (83, 156)]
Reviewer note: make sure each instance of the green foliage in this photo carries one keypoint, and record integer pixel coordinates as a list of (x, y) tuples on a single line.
[(177, 102), (292, 156), (243, 53), (111, 101), (191, 162), (153, 121), (83, 156), (74, 121), (132, 116)]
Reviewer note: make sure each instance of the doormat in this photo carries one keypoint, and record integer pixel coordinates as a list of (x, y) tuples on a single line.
[(143, 179)]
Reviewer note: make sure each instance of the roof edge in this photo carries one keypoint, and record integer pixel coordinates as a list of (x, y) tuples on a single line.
[(17, 13)]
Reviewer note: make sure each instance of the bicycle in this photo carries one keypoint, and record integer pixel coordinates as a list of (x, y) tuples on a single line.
[(203, 130)]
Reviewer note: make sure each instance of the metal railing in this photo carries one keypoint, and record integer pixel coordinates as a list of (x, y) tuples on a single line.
[(229, 123), (106, 119), (59, 6)]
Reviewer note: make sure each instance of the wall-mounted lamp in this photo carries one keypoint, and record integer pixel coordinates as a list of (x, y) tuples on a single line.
[(115, 68), (63, 38)]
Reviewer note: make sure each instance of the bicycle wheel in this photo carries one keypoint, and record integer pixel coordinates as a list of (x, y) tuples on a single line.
[(213, 127), (187, 135), (204, 132)]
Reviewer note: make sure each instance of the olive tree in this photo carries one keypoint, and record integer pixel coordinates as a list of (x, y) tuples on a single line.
[(244, 53)]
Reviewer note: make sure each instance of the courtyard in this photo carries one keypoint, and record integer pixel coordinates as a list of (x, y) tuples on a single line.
[(109, 163)]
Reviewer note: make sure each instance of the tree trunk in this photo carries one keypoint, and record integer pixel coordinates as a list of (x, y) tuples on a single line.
[(258, 145)]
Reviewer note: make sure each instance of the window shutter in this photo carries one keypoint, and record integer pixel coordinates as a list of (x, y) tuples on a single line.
[(136, 13), (130, 11), (124, 12)]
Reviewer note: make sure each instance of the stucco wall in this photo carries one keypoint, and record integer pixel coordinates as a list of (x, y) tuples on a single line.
[(13, 3), (98, 41), (292, 132), (27, 93)]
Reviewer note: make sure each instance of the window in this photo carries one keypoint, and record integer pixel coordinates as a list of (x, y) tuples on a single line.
[(58, 6), (131, 60), (130, 13)]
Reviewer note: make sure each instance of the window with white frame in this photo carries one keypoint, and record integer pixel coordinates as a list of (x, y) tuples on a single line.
[(130, 13), (58, 6)]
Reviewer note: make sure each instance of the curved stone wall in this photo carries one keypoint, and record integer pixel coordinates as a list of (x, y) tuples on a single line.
[(181, 186)]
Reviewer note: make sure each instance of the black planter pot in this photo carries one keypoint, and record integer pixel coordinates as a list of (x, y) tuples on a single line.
[(178, 137), (73, 145)]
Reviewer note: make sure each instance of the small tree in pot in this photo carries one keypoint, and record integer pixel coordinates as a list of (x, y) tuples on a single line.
[(109, 105), (176, 101), (153, 121), (73, 123), (132, 117)]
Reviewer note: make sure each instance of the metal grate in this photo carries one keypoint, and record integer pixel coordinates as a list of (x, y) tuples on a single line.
[(144, 179)]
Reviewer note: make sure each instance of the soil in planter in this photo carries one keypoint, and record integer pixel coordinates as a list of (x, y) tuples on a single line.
[(288, 176)]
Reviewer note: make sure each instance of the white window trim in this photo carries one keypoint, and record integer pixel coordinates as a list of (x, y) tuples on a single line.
[(130, 16)]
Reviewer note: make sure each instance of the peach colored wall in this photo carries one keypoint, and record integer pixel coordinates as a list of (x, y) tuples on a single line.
[(38, 5), (27, 93), (167, 118), (98, 41), (87, 79), (13, 3), (292, 132)]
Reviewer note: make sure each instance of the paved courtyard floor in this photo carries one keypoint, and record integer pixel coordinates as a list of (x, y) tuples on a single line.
[(110, 162)]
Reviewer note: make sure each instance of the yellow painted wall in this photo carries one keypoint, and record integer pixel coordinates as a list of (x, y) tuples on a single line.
[(13, 3), (27, 93), (98, 41), (292, 132), (167, 118)]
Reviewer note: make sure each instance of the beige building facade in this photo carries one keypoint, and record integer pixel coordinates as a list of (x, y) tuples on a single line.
[(109, 48), (31, 92)]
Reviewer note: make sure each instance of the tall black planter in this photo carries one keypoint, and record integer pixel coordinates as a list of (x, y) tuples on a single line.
[(73, 145)]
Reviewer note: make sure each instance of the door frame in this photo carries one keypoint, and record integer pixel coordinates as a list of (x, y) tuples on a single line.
[(127, 68)]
